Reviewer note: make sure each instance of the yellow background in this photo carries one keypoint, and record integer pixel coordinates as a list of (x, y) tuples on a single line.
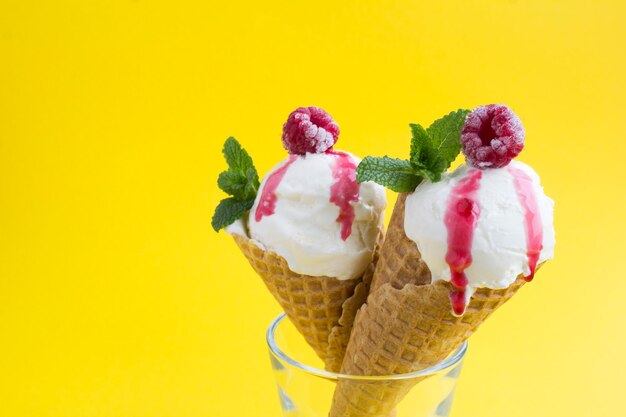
[(117, 298)]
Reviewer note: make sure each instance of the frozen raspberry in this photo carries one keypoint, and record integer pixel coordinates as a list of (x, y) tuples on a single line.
[(309, 129), (492, 136)]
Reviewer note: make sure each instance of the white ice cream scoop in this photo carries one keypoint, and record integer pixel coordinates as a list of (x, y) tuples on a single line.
[(482, 228), (311, 211)]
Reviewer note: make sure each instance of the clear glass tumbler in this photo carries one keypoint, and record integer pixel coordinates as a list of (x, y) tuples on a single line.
[(305, 389)]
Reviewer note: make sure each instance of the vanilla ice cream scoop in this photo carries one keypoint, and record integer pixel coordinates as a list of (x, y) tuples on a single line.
[(482, 228), (311, 211)]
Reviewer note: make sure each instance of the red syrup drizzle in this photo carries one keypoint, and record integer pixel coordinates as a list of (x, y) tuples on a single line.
[(344, 190), (461, 218), (532, 218), (267, 202)]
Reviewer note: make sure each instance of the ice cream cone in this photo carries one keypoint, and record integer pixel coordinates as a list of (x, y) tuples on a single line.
[(405, 330), (406, 325), (321, 308)]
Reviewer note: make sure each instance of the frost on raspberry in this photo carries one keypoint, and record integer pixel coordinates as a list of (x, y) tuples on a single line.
[(309, 129), (492, 136)]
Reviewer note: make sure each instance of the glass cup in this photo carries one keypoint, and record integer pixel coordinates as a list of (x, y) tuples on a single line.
[(305, 389)]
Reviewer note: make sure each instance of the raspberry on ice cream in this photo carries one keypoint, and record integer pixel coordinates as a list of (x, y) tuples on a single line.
[(309, 129), (492, 136)]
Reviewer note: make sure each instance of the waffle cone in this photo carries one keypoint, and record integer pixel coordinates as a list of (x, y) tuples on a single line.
[(321, 308), (406, 325)]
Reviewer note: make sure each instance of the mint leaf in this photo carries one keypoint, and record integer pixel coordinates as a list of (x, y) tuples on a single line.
[(433, 165), (233, 183), (432, 174), (229, 210), (236, 157), (434, 149), (424, 157), (419, 141), (252, 186), (445, 135), (242, 187), (395, 174), (240, 181)]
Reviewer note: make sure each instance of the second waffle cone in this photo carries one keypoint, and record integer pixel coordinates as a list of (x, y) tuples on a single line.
[(405, 326)]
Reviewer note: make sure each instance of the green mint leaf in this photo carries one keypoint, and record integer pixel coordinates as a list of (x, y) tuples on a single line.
[(233, 183), (229, 210), (433, 165), (236, 157), (425, 158), (428, 172), (252, 185), (445, 135), (419, 141), (434, 149), (395, 174), (240, 180)]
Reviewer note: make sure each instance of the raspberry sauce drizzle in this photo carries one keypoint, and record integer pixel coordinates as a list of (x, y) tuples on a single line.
[(461, 218), (267, 202), (532, 218), (344, 190)]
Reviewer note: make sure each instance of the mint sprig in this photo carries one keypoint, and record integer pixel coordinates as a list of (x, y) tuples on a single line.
[(228, 211), (395, 174), (240, 181), (432, 152)]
